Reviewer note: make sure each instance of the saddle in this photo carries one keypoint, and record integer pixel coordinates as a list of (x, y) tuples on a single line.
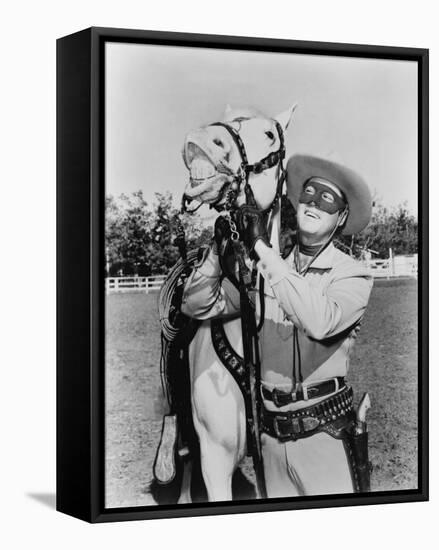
[(178, 439)]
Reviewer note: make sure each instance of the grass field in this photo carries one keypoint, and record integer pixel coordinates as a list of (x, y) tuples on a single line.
[(384, 363)]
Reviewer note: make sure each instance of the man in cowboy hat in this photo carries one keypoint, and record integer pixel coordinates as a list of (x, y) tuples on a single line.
[(314, 299)]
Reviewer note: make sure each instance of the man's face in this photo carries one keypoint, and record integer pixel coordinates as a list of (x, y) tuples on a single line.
[(320, 205)]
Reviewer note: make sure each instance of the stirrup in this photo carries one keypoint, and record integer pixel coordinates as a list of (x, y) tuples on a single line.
[(164, 468)]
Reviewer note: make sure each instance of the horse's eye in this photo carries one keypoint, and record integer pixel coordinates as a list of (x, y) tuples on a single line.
[(270, 135), (218, 142), (309, 190)]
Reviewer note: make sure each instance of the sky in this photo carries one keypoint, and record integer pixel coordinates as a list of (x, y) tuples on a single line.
[(361, 112)]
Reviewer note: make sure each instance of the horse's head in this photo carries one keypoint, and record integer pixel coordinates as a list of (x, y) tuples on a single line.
[(217, 155)]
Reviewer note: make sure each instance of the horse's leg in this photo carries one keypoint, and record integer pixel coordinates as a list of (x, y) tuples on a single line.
[(222, 445), (218, 464), (218, 414)]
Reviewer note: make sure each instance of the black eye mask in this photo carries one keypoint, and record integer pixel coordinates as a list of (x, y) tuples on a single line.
[(322, 196)]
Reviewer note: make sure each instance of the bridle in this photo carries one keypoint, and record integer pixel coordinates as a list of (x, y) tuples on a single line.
[(241, 177)]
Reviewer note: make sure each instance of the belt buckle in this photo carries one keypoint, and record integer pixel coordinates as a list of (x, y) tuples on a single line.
[(298, 426), (310, 392), (276, 393), (309, 423), (291, 435)]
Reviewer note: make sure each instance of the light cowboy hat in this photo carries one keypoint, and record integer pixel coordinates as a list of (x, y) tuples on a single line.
[(300, 168)]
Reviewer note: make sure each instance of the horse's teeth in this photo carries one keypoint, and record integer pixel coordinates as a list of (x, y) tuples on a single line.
[(201, 168)]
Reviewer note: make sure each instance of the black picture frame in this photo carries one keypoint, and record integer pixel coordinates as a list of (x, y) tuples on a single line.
[(80, 272)]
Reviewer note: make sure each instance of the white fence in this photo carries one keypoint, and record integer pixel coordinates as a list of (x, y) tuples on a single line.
[(398, 266), (132, 284)]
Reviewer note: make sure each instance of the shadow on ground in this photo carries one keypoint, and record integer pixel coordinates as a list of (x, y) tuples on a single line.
[(47, 499)]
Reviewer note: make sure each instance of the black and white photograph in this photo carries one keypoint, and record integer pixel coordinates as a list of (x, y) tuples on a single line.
[(261, 275), (218, 231)]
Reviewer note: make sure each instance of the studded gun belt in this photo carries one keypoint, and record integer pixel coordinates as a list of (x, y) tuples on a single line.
[(331, 415), (309, 391)]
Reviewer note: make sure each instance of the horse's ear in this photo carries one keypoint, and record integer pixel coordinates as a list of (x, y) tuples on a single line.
[(285, 118)]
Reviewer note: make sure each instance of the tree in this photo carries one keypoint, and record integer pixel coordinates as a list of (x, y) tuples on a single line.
[(392, 228), (140, 239), (128, 233), (161, 251)]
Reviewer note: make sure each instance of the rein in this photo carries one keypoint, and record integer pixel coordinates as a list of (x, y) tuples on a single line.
[(252, 366)]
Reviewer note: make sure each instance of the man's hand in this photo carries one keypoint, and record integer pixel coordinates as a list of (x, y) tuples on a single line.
[(251, 223)]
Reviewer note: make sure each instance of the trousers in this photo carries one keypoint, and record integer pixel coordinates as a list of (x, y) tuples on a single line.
[(317, 465)]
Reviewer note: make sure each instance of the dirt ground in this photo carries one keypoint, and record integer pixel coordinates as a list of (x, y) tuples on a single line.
[(384, 363)]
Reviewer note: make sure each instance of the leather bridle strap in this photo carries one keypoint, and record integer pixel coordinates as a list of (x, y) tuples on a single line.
[(272, 159), (252, 367)]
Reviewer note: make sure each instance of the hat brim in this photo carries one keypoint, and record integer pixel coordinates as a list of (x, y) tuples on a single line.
[(300, 168)]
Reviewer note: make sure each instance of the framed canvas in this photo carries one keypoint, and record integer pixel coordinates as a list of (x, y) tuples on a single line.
[(242, 274)]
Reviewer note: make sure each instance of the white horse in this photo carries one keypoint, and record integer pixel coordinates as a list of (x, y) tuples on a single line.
[(212, 156)]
